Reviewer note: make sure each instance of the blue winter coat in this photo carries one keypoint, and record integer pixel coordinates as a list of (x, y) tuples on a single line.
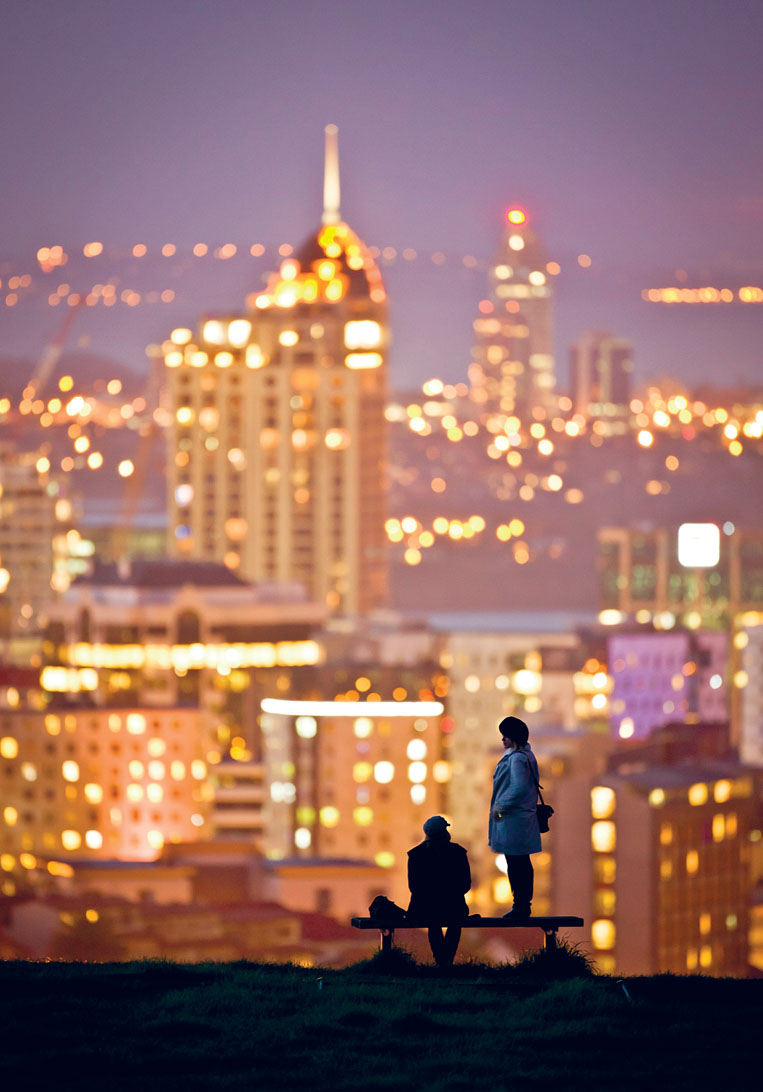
[(515, 795)]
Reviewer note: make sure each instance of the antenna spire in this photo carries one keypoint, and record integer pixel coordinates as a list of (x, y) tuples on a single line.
[(331, 213)]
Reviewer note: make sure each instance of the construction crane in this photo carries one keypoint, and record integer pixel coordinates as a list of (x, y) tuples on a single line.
[(51, 354), (135, 483)]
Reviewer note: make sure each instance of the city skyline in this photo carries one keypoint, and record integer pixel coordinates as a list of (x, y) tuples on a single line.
[(295, 508), (625, 135)]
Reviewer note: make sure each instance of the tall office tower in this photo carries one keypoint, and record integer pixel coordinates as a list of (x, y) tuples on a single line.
[(600, 371), (277, 460), (494, 674), (671, 835), (694, 575), (513, 364), (353, 779), (36, 542), (660, 677)]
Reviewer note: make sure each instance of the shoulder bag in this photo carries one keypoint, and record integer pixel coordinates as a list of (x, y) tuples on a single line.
[(542, 810)]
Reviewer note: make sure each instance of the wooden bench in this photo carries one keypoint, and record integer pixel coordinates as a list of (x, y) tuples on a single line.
[(549, 925)]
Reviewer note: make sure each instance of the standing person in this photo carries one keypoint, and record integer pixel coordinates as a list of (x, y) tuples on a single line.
[(513, 820), (439, 877)]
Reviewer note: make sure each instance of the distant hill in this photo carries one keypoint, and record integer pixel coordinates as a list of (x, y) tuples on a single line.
[(90, 371)]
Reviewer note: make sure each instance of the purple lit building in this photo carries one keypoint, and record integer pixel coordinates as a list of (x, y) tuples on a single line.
[(666, 676)]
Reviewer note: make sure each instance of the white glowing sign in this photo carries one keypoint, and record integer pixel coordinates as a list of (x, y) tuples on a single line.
[(699, 545)]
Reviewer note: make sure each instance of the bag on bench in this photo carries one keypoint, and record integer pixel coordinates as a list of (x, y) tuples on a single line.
[(386, 910)]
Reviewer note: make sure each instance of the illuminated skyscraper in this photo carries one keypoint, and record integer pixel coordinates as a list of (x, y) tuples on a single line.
[(39, 548), (277, 460), (600, 371), (512, 367)]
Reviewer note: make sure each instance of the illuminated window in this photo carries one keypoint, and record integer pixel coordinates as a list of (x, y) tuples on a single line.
[(362, 334), (604, 902), (70, 839), (254, 357), (603, 934), (302, 838), (329, 816), (692, 861), (361, 772), (384, 772), (135, 723), (698, 794), (416, 750), (9, 747), (93, 793), (214, 332), (306, 727), (417, 772), (527, 682), (719, 827), (603, 836), (602, 802), (721, 791), (363, 816), (70, 770), (239, 331), (358, 361)]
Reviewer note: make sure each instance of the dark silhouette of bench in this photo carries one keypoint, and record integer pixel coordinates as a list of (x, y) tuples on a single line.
[(549, 925)]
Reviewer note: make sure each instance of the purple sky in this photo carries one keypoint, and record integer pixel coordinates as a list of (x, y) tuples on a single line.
[(631, 131)]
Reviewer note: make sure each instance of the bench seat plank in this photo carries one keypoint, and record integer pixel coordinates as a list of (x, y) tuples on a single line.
[(474, 922)]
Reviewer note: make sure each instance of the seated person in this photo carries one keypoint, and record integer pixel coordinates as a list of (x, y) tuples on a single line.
[(439, 877)]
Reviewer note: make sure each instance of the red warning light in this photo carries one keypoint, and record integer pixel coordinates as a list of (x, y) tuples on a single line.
[(516, 216)]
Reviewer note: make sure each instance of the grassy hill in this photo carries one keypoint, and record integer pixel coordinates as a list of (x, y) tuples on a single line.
[(373, 1027)]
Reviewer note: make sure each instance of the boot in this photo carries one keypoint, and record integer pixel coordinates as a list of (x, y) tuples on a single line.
[(518, 913)]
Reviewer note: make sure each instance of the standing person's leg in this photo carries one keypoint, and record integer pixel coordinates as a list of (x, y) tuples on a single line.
[(521, 877)]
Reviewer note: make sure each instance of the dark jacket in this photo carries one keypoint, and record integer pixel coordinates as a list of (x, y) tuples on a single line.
[(438, 878)]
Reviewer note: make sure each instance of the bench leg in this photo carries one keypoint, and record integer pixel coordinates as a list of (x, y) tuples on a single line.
[(550, 940), (386, 937)]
